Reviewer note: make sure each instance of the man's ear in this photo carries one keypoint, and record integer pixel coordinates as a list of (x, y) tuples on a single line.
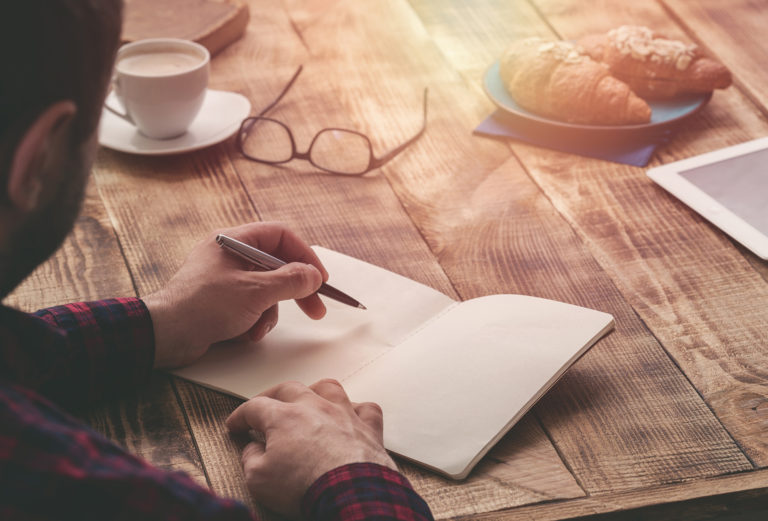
[(28, 175)]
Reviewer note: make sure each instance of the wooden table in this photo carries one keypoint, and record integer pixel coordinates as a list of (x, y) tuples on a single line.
[(667, 415)]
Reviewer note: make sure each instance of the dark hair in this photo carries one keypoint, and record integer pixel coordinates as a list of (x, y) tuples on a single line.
[(53, 50)]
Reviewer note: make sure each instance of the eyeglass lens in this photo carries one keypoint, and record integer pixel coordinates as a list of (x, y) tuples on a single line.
[(267, 140), (340, 151), (335, 150)]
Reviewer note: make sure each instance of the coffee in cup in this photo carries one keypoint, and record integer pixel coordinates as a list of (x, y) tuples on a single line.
[(161, 84)]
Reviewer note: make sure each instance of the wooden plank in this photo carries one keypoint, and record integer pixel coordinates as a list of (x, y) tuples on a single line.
[(741, 497), (494, 232), (151, 424), (87, 266), (521, 469), (90, 266), (733, 32), (691, 286), (220, 452), (162, 206), (758, 264)]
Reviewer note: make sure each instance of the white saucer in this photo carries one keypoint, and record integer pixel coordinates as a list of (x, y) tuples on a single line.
[(219, 118)]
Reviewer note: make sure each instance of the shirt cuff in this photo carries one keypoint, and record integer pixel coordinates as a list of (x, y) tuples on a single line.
[(363, 491), (116, 337)]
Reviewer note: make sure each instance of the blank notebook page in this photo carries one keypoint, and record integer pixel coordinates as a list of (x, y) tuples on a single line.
[(451, 390)]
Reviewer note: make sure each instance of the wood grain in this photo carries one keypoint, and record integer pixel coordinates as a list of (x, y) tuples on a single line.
[(521, 469), (152, 425), (739, 497), (87, 266), (162, 206), (220, 451)]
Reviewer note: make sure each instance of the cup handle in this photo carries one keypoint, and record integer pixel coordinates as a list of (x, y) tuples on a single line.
[(124, 115)]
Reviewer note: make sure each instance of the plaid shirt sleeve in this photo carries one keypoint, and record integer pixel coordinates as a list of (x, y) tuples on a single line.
[(54, 467), (90, 351), (364, 491)]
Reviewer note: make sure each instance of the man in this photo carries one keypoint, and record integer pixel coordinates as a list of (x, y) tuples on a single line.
[(323, 456)]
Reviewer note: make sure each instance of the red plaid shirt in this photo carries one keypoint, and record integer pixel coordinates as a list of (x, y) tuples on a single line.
[(54, 467)]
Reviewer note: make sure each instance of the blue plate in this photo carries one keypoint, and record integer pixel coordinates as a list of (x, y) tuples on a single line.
[(664, 114)]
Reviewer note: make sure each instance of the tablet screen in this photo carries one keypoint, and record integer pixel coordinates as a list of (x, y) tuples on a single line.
[(739, 183)]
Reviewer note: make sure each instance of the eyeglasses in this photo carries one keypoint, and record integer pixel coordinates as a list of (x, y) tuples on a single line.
[(334, 150)]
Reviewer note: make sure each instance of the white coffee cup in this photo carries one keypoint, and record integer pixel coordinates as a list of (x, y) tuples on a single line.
[(161, 84)]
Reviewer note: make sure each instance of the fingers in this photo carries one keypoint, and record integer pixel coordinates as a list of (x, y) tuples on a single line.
[(266, 323), (331, 390), (267, 409), (292, 281), (371, 414), (297, 280), (277, 240), (251, 453), (312, 306), (251, 459), (287, 392), (257, 413)]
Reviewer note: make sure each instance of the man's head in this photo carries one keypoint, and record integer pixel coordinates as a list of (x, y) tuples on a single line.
[(57, 58)]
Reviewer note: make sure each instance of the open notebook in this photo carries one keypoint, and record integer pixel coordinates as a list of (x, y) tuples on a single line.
[(451, 377)]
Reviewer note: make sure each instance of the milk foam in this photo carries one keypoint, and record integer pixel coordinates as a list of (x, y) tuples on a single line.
[(158, 63)]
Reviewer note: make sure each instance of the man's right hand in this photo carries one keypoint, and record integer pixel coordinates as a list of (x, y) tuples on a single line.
[(216, 296), (308, 431)]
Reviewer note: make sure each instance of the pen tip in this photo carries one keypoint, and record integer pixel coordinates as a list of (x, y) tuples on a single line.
[(360, 306)]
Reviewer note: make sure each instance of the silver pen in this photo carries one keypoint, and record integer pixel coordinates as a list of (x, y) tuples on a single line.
[(266, 262)]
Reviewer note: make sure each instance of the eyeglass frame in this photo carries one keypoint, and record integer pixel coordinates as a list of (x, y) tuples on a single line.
[(373, 161)]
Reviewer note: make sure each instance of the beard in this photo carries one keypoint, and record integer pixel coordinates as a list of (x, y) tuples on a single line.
[(43, 232)]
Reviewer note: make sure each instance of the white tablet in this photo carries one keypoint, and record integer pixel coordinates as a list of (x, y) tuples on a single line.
[(728, 187)]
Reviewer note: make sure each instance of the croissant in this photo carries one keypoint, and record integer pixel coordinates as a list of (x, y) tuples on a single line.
[(558, 80), (655, 67)]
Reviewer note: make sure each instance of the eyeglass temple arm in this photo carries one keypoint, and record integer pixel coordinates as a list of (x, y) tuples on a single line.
[(377, 162), (282, 93)]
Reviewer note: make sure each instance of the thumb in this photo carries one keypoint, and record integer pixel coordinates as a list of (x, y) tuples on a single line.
[(253, 451), (292, 281), (251, 457)]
